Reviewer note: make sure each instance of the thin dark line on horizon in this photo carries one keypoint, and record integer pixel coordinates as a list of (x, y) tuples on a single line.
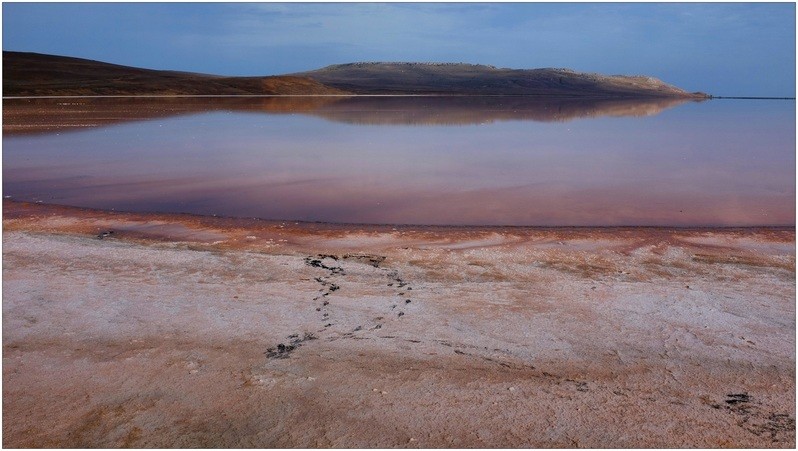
[(752, 98), (169, 96)]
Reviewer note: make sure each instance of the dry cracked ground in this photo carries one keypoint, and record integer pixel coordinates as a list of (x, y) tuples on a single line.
[(132, 330)]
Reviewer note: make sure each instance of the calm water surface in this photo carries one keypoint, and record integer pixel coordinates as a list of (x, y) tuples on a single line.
[(479, 161)]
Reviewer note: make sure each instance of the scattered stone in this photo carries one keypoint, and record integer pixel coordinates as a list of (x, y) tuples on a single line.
[(281, 352), (774, 426), (318, 262), (737, 398), (373, 260)]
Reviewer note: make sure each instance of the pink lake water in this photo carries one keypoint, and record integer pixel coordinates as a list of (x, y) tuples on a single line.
[(442, 161)]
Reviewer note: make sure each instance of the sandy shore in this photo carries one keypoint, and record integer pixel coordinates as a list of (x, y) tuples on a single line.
[(207, 332)]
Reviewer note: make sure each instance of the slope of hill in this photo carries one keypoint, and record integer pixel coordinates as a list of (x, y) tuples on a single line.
[(458, 78), (33, 74)]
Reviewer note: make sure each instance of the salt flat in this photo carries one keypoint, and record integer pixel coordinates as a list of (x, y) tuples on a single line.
[(202, 332)]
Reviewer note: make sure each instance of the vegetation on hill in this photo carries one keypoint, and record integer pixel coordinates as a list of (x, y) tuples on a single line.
[(458, 78), (33, 74)]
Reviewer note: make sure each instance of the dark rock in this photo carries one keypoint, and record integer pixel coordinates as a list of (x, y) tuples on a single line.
[(737, 398)]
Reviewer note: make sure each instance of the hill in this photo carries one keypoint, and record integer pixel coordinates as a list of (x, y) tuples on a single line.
[(458, 78), (33, 74)]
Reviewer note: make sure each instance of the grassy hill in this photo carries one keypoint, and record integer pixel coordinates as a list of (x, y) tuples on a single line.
[(456, 78), (33, 74)]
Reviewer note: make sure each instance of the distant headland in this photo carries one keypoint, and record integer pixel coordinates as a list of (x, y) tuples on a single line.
[(39, 75)]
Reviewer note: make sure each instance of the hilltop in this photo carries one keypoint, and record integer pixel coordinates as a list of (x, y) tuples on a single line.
[(33, 74)]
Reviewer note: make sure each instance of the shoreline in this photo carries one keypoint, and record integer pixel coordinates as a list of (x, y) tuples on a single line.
[(16, 208), (195, 331), (563, 96)]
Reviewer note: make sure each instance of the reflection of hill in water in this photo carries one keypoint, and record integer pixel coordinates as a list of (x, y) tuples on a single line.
[(43, 115), (22, 116), (484, 109)]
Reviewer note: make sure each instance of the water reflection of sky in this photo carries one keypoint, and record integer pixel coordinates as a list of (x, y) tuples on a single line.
[(712, 163)]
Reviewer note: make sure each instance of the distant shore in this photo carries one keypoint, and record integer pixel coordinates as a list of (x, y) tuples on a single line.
[(34, 74), (199, 96), (750, 98), (141, 330)]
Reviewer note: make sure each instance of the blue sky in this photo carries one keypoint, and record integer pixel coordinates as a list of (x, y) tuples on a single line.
[(720, 48)]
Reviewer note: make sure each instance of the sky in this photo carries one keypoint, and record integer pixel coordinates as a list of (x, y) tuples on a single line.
[(725, 49)]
